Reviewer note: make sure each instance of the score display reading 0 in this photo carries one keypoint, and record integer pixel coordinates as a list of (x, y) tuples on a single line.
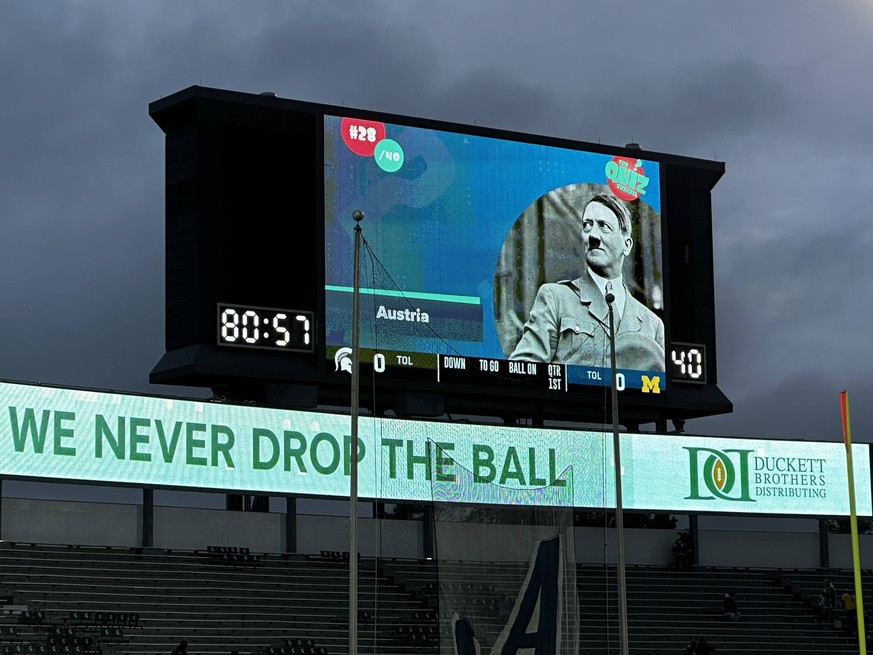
[(265, 327), (688, 362)]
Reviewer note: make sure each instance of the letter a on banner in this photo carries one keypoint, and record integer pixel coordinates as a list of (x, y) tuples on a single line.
[(533, 623)]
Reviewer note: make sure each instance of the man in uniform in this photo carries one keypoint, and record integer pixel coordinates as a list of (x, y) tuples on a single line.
[(569, 321)]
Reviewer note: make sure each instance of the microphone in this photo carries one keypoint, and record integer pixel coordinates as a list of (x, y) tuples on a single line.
[(609, 297)]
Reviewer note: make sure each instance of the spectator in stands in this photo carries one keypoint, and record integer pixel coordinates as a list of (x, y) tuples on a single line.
[(181, 649), (682, 552), (851, 611), (731, 612), (704, 647), (828, 601), (691, 649)]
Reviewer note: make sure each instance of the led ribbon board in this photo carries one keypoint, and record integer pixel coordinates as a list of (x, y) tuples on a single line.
[(66, 434)]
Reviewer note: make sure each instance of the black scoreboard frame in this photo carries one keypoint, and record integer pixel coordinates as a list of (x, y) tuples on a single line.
[(245, 227)]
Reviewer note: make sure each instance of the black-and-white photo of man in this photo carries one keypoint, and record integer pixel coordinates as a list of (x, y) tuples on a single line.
[(569, 320)]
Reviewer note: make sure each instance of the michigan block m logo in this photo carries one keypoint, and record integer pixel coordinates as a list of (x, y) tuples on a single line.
[(724, 474)]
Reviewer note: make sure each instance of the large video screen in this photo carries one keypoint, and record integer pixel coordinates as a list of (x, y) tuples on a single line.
[(489, 259)]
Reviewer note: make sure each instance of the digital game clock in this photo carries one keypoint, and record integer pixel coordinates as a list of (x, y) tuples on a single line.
[(265, 327)]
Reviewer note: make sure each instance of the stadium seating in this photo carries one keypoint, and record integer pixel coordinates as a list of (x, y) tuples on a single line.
[(120, 601), (137, 601), (232, 556), (665, 608)]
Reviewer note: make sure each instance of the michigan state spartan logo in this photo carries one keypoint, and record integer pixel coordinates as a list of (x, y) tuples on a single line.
[(721, 474)]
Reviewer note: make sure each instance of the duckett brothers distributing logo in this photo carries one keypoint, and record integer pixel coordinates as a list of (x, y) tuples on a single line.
[(722, 473)]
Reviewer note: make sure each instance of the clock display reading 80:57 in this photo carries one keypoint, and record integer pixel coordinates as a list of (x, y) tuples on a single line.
[(265, 327)]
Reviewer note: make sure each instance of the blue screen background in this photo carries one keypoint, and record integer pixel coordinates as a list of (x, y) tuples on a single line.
[(437, 225)]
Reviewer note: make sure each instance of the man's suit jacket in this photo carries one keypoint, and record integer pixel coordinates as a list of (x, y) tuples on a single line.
[(569, 324)]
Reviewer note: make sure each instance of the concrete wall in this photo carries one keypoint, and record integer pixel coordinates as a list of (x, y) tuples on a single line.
[(375, 538), (514, 543), (487, 542), (652, 547), (64, 522), (840, 551), (107, 524), (194, 529), (759, 549)]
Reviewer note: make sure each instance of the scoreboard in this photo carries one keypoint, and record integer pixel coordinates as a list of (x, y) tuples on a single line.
[(467, 233)]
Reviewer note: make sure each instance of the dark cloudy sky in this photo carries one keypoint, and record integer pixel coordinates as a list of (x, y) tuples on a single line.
[(779, 90)]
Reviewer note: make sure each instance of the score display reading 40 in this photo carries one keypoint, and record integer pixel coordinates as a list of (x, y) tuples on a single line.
[(265, 327), (688, 362)]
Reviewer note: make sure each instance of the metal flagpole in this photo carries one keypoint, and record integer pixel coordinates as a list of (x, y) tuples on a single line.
[(619, 514), (358, 215)]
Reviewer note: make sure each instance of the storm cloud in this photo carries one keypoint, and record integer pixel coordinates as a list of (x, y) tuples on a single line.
[(775, 91)]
